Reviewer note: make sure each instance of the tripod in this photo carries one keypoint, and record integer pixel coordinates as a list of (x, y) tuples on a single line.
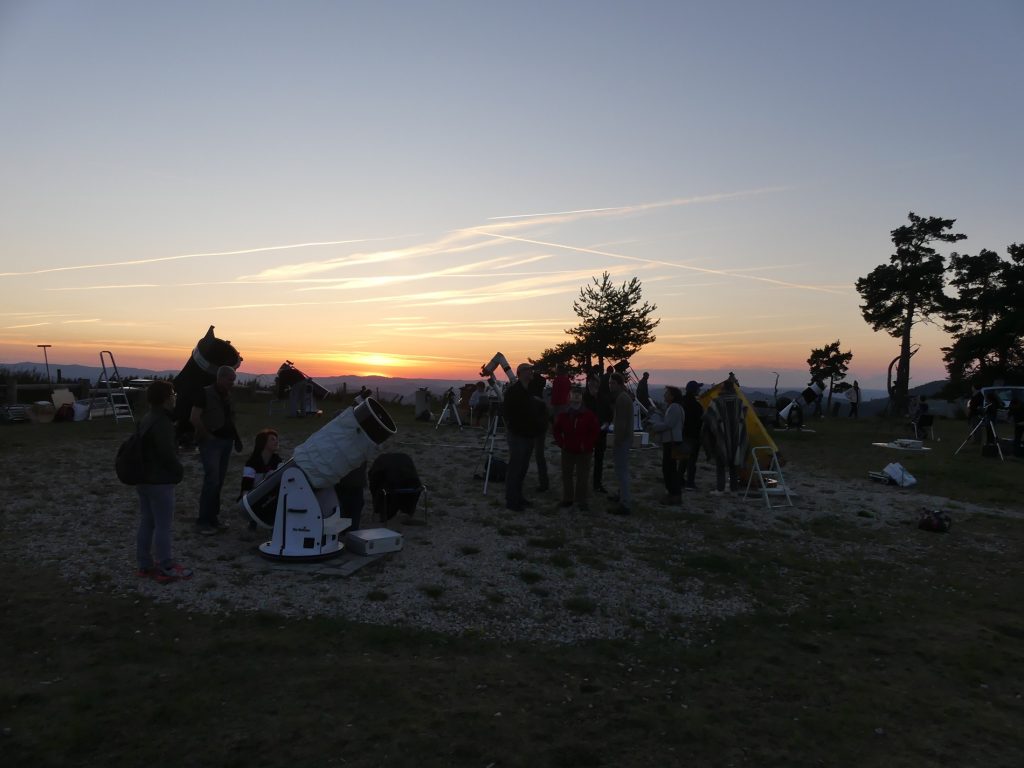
[(449, 409), (494, 422), (991, 430)]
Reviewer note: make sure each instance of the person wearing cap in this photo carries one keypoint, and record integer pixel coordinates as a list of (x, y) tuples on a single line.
[(693, 418), (521, 428)]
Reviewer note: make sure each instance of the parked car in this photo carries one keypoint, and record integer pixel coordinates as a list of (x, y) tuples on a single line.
[(1005, 395)]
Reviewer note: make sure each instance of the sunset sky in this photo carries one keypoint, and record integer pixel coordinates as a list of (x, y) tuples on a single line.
[(406, 188)]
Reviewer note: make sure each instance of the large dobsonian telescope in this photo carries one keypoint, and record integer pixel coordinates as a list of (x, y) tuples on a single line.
[(298, 500)]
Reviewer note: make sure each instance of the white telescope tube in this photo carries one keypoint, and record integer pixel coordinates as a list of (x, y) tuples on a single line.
[(344, 443)]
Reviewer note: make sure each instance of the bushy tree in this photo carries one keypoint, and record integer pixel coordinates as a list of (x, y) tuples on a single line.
[(985, 317), (829, 364), (907, 290), (568, 354), (615, 322)]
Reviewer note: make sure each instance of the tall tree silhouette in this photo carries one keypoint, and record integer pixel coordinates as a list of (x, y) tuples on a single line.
[(615, 322), (907, 290)]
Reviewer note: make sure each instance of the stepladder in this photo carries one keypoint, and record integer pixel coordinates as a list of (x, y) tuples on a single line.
[(112, 386), (766, 478)]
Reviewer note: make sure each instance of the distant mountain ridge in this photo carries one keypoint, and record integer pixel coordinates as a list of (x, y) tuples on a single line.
[(398, 385)]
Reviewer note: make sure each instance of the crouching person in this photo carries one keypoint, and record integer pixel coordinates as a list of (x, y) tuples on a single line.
[(162, 471)]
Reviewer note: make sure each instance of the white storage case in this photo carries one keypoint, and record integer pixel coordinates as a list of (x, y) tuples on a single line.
[(373, 541)]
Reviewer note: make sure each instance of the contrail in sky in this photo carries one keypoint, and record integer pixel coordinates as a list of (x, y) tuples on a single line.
[(133, 262), (647, 206), (703, 270)]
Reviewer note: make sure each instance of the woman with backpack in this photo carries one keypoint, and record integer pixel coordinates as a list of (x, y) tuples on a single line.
[(162, 471)]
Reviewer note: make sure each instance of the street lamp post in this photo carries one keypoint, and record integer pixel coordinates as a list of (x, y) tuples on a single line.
[(44, 347)]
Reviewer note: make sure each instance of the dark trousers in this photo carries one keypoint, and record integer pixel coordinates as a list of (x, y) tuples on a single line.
[(599, 449), (214, 453), (691, 447), (350, 504), (519, 449), (671, 468), (720, 472), (542, 462), (575, 478)]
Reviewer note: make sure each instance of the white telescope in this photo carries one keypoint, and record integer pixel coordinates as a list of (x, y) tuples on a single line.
[(298, 501)]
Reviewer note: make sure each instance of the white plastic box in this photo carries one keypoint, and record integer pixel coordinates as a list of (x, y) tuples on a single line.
[(373, 541)]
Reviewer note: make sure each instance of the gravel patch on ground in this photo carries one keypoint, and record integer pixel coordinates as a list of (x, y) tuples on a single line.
[(469, 566)]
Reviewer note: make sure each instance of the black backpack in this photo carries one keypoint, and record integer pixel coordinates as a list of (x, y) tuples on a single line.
[(130, 463)]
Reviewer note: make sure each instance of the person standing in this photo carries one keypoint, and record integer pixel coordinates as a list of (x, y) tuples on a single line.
[(540, 410), (643, 395), (693, 419), (600, 406), (725, 435), (216, 433), (854, 397), (161, 472), (667, 429), (576, 430), (520, 431), (622, 438)]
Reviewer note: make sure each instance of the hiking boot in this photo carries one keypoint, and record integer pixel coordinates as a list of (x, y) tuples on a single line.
[(621, 509), (145, 573), (565, 504), (671, 498)]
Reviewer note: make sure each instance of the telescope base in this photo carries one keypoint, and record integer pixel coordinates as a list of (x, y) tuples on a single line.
[(267, 550)]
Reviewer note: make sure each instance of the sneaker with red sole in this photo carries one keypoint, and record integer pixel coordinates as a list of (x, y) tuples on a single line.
[(175, 572)]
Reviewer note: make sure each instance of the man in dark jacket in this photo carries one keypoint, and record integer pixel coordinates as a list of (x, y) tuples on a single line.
[(214, 421), (520, 430)]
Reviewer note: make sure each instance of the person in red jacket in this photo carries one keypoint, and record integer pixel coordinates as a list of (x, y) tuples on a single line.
[(560, 387), (576, 431)]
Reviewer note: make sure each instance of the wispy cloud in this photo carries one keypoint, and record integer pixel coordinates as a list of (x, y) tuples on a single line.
[(179, 257), (662, 263)]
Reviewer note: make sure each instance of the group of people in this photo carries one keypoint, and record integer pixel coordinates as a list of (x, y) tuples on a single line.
[(582, 417), (216, 434)]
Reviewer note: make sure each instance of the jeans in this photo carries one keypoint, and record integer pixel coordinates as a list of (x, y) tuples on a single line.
[(519, 449), (575, 478), (156, 508), (620, 454), (214, 453)]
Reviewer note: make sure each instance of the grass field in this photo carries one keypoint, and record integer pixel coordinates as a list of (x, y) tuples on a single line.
[(881, 646)]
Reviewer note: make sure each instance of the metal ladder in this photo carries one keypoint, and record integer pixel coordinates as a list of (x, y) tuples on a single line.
[(770, 482), (115, 393)]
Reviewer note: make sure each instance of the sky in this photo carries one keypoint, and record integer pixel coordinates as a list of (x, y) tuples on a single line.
[(406, 188)]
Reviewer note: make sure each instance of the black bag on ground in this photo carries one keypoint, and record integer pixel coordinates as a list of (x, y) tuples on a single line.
[(130, 464), (498, 470)]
